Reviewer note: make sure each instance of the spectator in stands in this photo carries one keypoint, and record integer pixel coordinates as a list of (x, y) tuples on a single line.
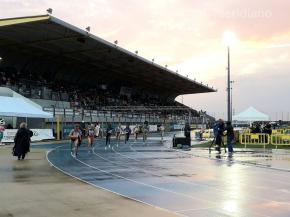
[(127, 131), (109, 132), (230, 137), (22, 141)]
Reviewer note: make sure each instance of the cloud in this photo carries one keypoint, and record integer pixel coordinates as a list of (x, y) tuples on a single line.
[(187, 35)]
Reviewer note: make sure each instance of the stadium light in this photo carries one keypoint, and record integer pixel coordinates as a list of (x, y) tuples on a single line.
[(229, 39), (49, 10)]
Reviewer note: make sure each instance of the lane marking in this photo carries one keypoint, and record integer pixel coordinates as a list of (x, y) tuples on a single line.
[(106, 189)]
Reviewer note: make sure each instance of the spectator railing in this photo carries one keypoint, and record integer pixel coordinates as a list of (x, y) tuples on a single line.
[(254, 139), (280, 139)]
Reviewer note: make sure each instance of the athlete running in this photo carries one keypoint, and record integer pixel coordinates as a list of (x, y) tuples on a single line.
[(75, 137), (91, 135), (119, 132), (136, 132)]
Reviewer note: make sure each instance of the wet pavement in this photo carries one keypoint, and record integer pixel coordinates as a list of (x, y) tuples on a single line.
[(190, 183), (32, 188)]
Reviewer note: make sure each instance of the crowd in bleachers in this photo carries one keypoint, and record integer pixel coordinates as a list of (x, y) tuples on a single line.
[(38, 86)]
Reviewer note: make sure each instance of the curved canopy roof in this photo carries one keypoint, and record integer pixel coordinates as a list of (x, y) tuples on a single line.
[(48, 43)]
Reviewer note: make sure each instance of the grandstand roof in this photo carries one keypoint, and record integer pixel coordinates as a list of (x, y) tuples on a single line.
[(47, 42)]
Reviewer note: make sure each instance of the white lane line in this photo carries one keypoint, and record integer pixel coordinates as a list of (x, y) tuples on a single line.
[(186, 182), (106, 189), (142, 183), (167, 189)]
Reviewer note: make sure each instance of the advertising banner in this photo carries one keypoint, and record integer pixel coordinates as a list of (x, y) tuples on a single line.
[(38, 135)]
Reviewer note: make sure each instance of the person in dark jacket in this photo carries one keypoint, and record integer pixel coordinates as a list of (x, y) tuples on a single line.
[(127, 133), (230, 136), (109, 132), (22, 141), (219, 134), (187, 134)]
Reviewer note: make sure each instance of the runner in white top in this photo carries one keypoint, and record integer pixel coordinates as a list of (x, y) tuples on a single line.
[(75, 136), (136, 132), (97, 130)]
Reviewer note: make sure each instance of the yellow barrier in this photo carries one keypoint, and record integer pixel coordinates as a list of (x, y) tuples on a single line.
[(254, 139), (280, 139), (246, 131), (207, 134), (278, 131)]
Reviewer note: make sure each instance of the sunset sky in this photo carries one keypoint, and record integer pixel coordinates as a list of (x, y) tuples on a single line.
[(187, 36)]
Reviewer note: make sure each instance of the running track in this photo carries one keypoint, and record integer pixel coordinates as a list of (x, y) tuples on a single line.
[(177, 181)]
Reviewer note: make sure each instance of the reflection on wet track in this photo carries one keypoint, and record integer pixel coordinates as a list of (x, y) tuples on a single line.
[(175, 180)]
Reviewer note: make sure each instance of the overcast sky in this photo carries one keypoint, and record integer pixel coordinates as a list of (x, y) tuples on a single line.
[(187, 36)]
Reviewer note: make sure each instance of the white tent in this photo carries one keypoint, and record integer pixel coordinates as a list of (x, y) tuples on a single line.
[(250, 115), (20, 107)]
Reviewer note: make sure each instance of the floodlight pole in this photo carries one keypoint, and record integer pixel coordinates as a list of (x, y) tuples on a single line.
[(229, 87)]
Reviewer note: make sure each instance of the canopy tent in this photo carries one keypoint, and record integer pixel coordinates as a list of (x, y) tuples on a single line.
[(19, 107), (250, 115)]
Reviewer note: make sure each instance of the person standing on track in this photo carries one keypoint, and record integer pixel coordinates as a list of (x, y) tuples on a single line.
[(127, 133), (230, 137), (75, 137), (109, 132), (145, 131), (220, 134), (187, 134), (162, 129), (22, 141), (91, 134)]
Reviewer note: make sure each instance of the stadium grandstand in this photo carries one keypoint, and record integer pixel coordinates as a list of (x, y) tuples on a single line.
[(81, 77)]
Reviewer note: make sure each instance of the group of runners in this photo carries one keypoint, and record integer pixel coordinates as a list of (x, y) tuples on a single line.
[(91, 132)]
